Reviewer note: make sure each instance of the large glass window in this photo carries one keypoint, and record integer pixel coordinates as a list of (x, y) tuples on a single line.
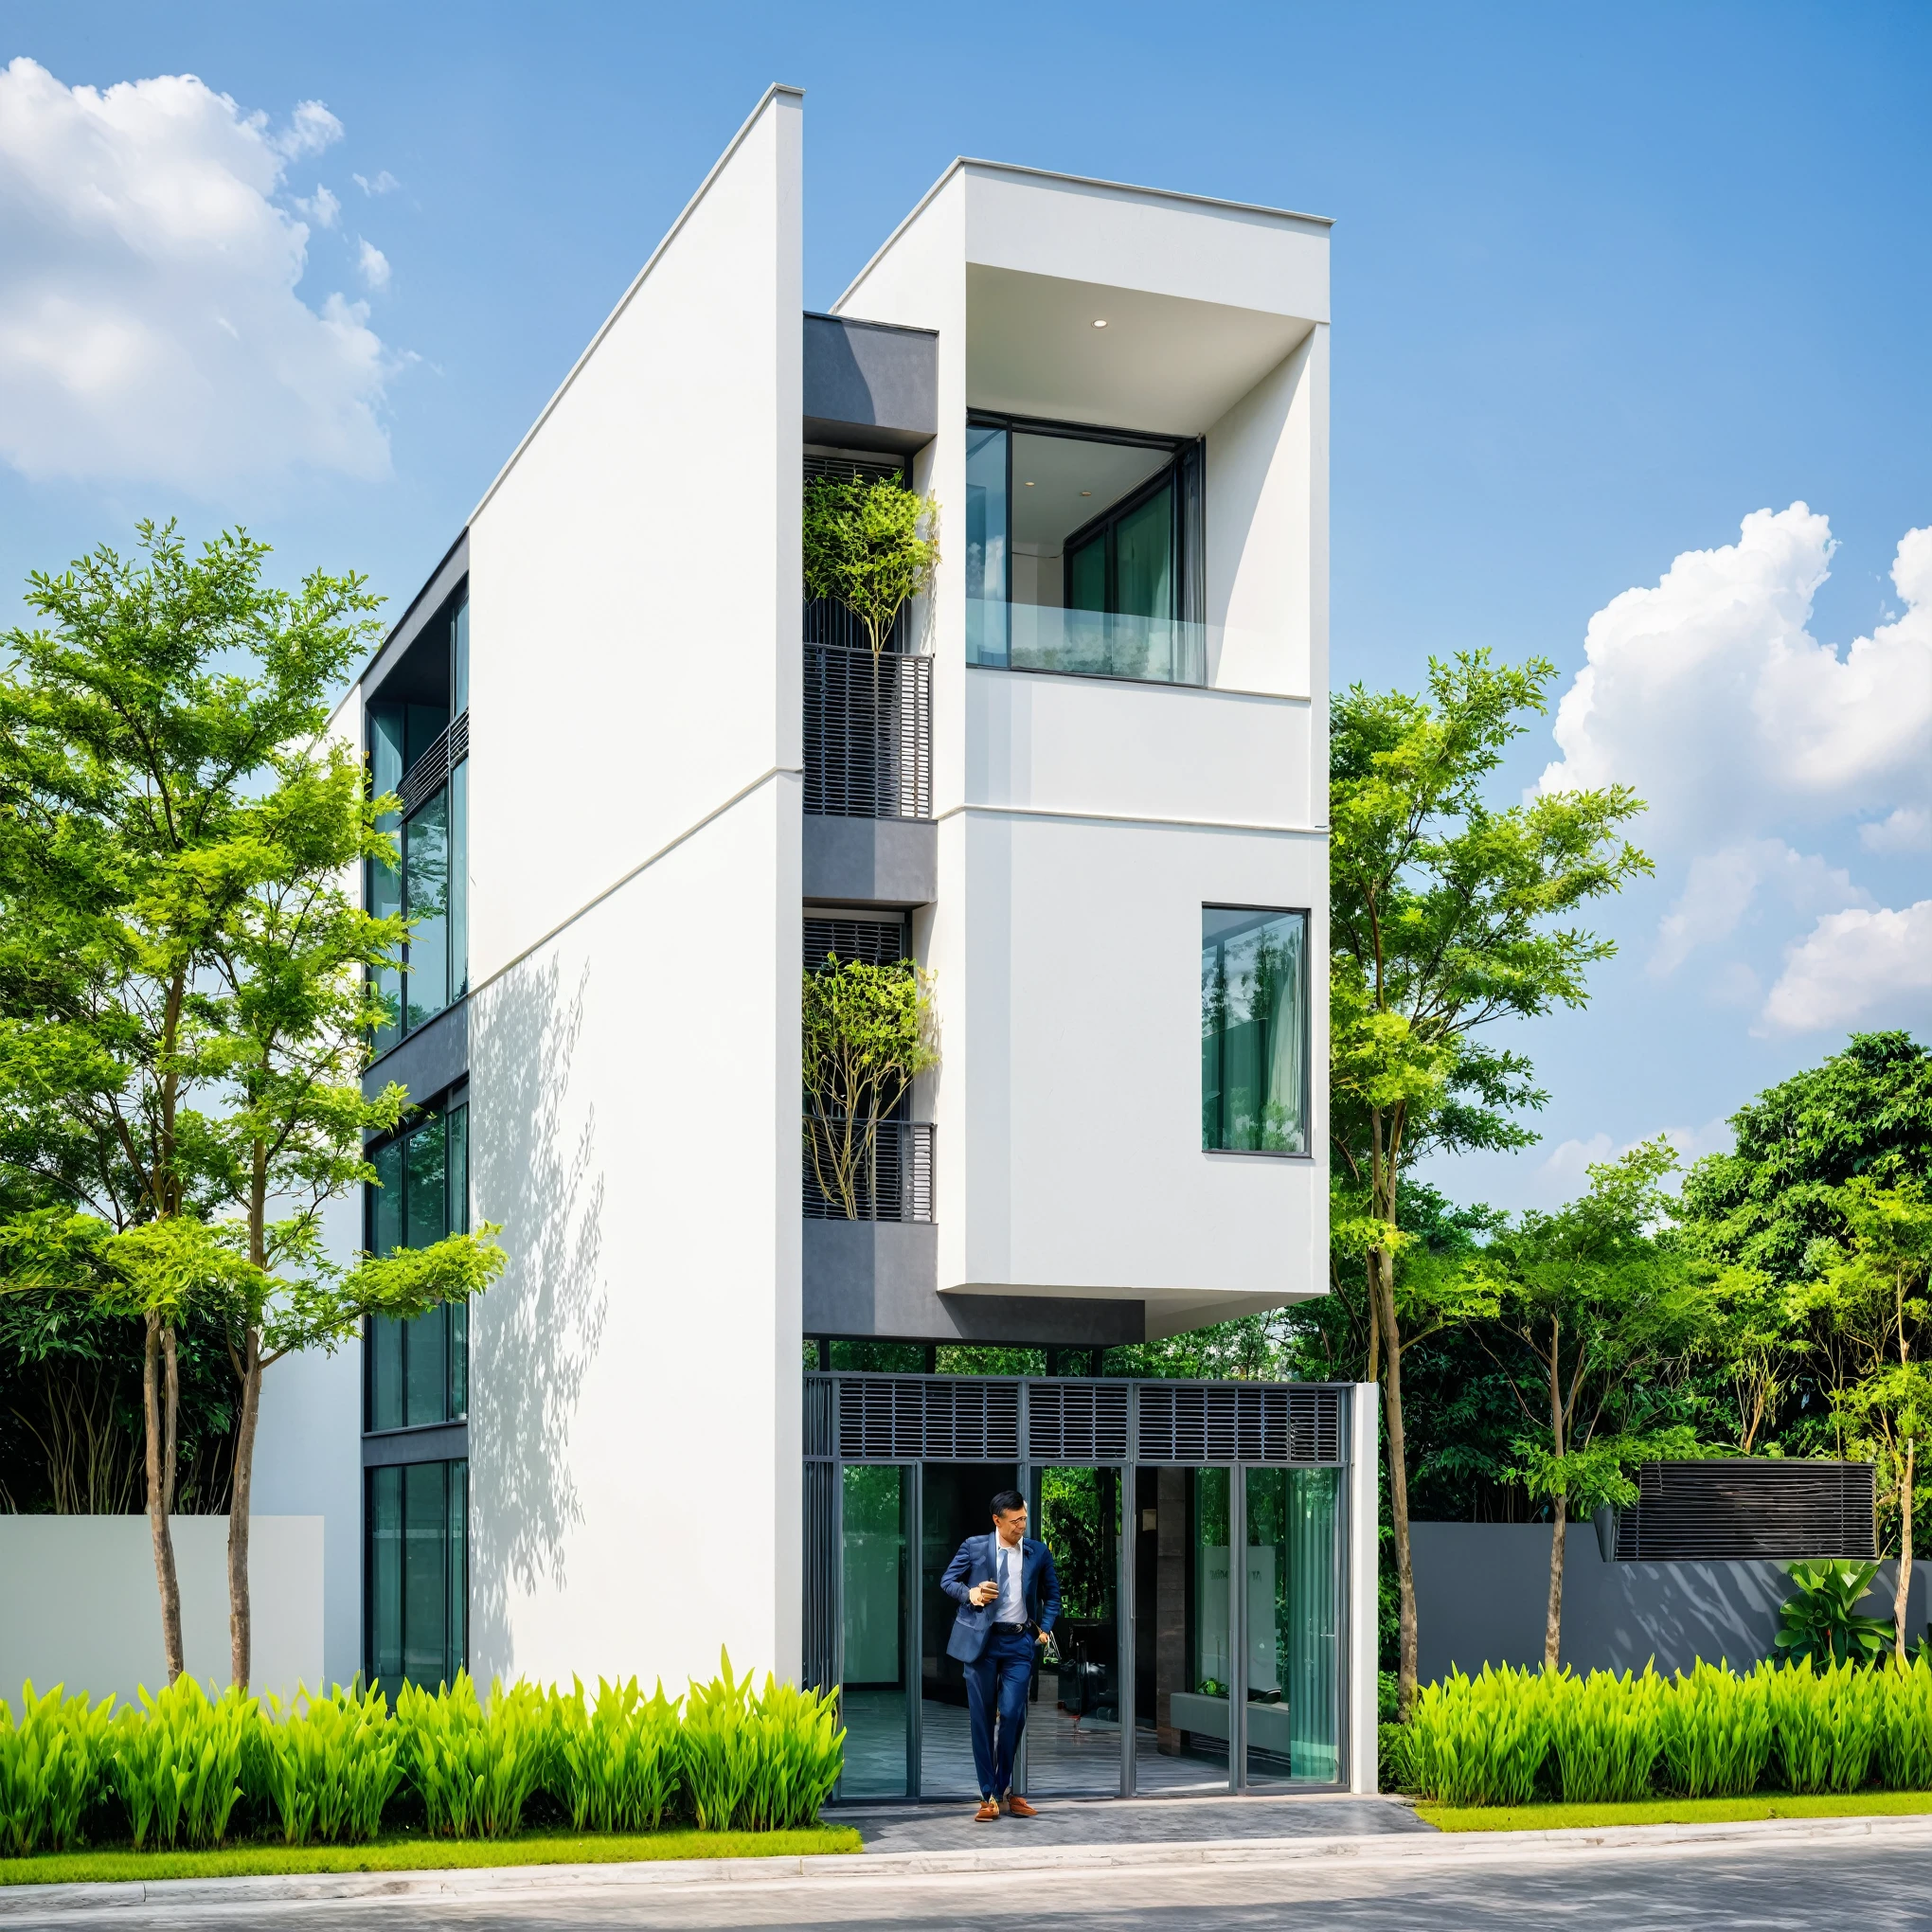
[(419, 741), (417, 1371), (1254, 1030), (1084, 553), (417, 1573)]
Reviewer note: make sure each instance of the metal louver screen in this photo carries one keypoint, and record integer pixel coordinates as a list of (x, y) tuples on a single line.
[(428, 773), (1190, 1423), (941, 1419), (868, 733), (821, 1634), (843, 465), (818, 1442), (1076, 1422), (976, 1419), (877, 941), (1731, 1509)]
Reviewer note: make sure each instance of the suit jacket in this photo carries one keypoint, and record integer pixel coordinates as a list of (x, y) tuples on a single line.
[(976, 1563)]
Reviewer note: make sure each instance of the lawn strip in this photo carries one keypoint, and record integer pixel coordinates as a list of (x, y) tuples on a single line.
[(1676, 1811), (120, 1864)]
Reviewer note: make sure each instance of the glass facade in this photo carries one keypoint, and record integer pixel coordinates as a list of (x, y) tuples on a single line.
[(416, 1372), (1254, 1030), (1084, 554), (417, 1573), (429, 882)]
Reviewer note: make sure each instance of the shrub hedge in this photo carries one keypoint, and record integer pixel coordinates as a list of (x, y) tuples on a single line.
[(1510, 1735), (187, 1771)]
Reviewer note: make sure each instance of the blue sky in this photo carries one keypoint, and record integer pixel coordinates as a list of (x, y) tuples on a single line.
[(1607, 282)]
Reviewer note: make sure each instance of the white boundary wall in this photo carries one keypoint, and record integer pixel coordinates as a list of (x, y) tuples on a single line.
[(78, 1604)]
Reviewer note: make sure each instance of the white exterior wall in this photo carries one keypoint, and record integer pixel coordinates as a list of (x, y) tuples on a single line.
[(79, 1607), (1083, 822), (634, 949)]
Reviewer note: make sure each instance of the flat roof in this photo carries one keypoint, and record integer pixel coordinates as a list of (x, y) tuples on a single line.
[(1174, 194)]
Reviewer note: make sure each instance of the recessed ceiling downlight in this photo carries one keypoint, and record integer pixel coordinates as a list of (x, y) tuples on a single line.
[(1099, 322)]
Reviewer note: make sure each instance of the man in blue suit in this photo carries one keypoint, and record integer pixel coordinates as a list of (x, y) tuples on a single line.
[(1009, 1598)]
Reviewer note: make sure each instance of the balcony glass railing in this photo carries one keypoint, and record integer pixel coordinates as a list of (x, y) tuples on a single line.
[(1023, 636)]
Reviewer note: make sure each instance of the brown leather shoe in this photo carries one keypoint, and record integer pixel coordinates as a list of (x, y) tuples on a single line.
[(1018, 1807), (987, 1814)]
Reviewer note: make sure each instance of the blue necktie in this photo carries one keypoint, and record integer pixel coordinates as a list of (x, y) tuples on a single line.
[(1005, 1572)]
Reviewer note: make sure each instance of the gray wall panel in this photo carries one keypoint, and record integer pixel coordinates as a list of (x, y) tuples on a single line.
[(887, 862), (1483, 1590)]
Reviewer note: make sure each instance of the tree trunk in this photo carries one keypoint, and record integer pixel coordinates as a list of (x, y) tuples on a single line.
[(1398, 1480), (1904, 1557), (158, 1413), (1553, 1625), (240, 1614)]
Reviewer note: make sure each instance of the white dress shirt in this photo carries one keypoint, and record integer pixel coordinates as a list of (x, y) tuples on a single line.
[(1011, 1604)]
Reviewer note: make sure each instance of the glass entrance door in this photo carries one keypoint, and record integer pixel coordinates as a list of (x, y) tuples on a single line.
[(1073, 1723), (1293, 1611), (956, 1499), (1183, 1629), (876, 1517)]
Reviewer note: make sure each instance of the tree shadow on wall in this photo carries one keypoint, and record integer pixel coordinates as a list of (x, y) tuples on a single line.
[(536, 1332)]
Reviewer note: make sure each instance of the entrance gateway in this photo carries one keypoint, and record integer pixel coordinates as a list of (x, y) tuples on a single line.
[(1153, 1497)]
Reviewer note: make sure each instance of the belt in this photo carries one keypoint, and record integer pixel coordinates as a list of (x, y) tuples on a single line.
[(1021, 1628)]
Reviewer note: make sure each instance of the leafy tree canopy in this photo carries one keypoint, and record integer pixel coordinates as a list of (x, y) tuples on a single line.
[(1865, 1112)]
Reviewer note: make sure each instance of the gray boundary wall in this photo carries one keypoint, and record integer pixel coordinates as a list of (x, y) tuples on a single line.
[(1483, 1589)]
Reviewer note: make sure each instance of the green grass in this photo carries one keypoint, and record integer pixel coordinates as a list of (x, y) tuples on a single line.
[(407, 1853), (1675, 1811)]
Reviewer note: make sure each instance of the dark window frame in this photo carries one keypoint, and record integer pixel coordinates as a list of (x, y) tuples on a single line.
[(456, 1336), (1306, 914), (1185, 473), (453, 618)]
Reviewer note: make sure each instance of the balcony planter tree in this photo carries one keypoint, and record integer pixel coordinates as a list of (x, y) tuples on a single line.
[(871, 545), (1445, 915), (867, 1033)]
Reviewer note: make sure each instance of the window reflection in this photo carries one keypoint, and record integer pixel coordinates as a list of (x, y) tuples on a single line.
[(1254, 1030)]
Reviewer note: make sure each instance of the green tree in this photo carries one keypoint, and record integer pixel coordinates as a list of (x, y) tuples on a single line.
[(1871, 1293), (293, 1012), (182, 1005), (1597, 1302), (1865, 1112), (870, 544), (1447, 915)]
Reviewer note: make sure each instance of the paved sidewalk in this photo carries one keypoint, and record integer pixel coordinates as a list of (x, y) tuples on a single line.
[(949, 1827)]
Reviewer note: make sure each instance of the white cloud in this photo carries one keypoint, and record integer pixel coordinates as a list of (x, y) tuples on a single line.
[(384, 184), (1854, 964), (1721, 887), (1710, 696), (149, 325), (373, 265), (311, 129), (320, 208), (1564, 1173), (1906, 830)]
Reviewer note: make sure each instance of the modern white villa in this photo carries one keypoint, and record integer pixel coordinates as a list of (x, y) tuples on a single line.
[(646, 786)]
